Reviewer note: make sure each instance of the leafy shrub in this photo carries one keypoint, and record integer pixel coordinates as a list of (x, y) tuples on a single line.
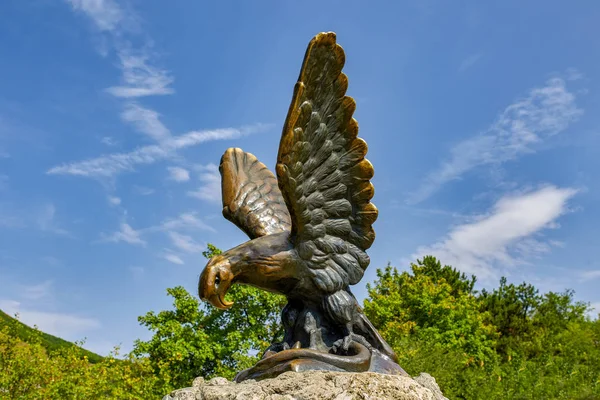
[(29, 371)]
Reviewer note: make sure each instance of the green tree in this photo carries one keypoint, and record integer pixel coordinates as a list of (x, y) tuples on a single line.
[(510, 308), (432, 267), (28, 370), (196, 340), (432, 304), (431, 318), (557, 310), (509, 343)]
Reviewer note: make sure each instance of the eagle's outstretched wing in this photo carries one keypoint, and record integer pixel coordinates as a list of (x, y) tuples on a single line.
[(323, 174), (251, 198)]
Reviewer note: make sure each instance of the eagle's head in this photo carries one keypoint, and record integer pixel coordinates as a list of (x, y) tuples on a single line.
[(215, 281)]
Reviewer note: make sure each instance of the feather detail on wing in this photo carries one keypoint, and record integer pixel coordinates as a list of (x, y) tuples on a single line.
[(322, 171), (251, 198)]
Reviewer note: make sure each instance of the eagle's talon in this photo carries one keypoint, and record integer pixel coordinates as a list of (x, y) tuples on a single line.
[(360, 339), (344, 343), (335, 348)]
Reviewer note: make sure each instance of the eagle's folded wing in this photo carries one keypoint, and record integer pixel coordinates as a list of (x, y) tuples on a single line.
[(323, 174), (251, 198)]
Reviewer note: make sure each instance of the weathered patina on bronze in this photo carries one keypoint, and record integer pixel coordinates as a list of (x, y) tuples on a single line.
[(309, 228)]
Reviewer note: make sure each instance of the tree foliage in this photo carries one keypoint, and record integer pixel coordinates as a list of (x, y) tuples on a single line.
[(28, 370), (433, 304), (510, 309), (510, 343)]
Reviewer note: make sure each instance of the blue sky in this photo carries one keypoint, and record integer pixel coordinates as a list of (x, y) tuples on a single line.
[(481, 120)]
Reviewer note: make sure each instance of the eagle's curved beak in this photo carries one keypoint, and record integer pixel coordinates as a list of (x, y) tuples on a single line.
[(215, 281)]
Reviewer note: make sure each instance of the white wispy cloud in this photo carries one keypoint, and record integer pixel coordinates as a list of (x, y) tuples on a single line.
[(142, 190), (114, 201), (125, 234), (545, 112), (145, 121), (174, 258), (469, 62), (210, 190), (63, 325), (140, 77), (185, 221), (178, 174), (106, 15), (188, 220), (185, 243), (113, 164), (109, 141), (506, 236), (573, 74)]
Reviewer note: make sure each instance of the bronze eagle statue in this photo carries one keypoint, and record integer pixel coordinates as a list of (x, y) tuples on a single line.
[(309, 228)]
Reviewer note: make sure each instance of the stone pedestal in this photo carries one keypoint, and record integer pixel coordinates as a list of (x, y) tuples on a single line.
[(315, 385)]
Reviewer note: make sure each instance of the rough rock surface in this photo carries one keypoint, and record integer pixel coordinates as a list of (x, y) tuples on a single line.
[(315, 385), (429, 382)]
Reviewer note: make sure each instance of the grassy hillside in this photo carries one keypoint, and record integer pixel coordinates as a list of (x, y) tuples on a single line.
[(51, 343)]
